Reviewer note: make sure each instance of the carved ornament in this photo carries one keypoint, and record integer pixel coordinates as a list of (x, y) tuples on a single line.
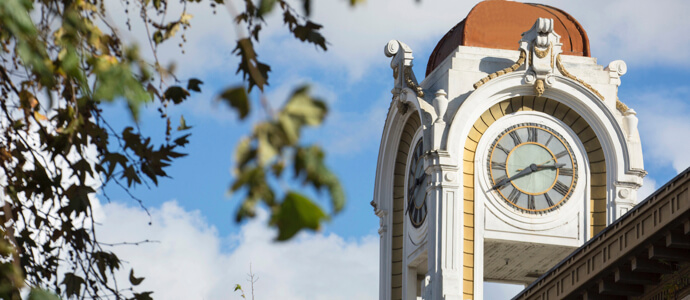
[(543, 45), (621, 106), (412, 83), (565, 73), (512, 68)]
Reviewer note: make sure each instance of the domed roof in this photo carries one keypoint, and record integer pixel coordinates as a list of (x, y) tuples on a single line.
[(499, 24)]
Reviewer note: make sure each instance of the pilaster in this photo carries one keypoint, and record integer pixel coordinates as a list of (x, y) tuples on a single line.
[(445, 227)]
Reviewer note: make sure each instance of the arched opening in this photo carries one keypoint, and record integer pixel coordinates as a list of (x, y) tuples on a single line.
[(560, 111), (404, 146)]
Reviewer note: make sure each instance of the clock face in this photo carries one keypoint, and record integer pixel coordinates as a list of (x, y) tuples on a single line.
[(416, 187), (532, 167)]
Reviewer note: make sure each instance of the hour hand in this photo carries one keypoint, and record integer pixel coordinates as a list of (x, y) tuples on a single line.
[(531, 168)]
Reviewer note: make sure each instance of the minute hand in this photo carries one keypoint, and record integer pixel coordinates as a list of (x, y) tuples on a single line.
[(554, 166), (526, 171)]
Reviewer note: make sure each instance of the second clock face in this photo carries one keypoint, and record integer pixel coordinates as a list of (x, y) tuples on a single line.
[(532, 167), (416, 187)]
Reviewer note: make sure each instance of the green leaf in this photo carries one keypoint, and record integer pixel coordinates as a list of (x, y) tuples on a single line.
[(183, 124), (243, 153), (157, 36), (309, 165), (39, 294), (134, 280), (304, 108), (297, 212), (193, 85), (266, 6), (265, 150), (237, 98)]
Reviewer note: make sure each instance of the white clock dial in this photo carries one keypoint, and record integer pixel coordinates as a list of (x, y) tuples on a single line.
[(532, 167)]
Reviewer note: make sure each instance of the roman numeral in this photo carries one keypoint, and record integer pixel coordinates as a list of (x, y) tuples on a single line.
[(549, 202), (498, 165), (516, 138), (514, 195), (561, 154), (499, 179), (530, 202), (561, 188), (506, 151), (532, 134), (549, 140), (565, 171)]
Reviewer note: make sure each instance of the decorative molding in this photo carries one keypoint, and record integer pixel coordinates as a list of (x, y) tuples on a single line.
[(616, 69), (543, 44), (440, 105), (403, 107), (565, 73), (411, 82), (512, 68), (401, 55), (620, 106)]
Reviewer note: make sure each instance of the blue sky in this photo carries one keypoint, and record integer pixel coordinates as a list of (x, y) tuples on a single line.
[(201, 252)]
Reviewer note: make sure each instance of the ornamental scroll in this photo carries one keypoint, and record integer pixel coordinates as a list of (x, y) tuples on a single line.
[(543, 45)]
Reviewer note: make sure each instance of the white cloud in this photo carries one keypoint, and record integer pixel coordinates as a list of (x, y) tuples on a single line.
[(641, 32), (648, 187), (638, 31), (664, 125), (187, 261)]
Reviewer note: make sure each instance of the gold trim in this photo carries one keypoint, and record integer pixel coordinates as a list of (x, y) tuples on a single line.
[(511, 69), (621, 106), (542, 53), (539, 87), (573, 162), (553, 157), (565, 73)]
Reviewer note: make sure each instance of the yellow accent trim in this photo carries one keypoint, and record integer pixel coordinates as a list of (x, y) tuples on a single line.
[(597, 183), (400, 172), (565, 73), (515, 66)]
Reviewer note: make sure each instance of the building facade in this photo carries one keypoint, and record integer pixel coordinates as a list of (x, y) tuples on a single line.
[(511, 153)]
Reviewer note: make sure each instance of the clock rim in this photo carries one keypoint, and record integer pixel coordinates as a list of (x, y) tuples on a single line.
[(509, 214), (555, 133), (416, 235)]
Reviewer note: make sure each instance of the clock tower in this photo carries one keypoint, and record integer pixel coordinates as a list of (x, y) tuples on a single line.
[(512, 152)]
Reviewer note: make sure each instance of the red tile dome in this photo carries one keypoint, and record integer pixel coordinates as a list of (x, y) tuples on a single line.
[(499, 24)]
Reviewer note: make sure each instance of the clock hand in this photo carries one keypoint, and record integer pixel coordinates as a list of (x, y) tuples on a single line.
[(542, 166), (554, 166), (414, 191), (524, 172)]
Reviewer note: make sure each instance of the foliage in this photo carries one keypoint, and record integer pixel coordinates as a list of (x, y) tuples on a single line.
[(61, 60)]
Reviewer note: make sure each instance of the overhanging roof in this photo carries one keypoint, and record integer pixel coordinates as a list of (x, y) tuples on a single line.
[(628, 256)]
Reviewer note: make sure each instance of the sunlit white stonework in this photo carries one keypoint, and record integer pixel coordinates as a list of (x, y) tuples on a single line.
[(469, 227)]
